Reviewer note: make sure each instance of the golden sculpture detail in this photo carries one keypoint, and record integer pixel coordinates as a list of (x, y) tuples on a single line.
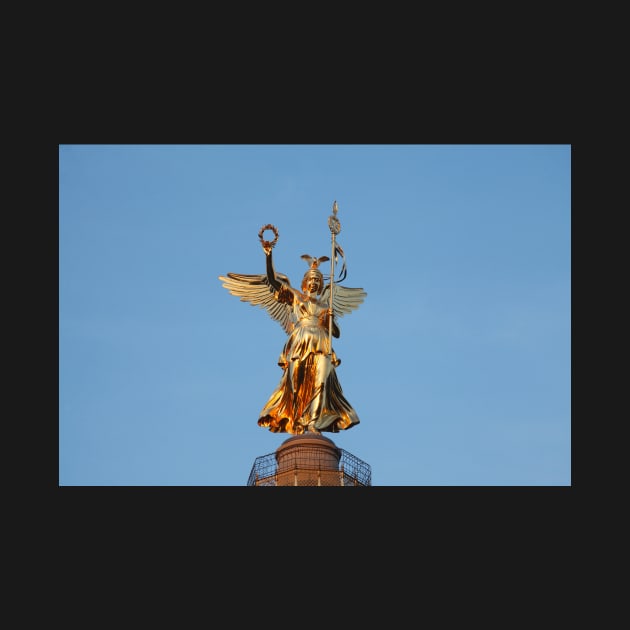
[(309, 397)]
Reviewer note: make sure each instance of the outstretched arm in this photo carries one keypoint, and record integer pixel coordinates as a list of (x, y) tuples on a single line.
[(271, 274)]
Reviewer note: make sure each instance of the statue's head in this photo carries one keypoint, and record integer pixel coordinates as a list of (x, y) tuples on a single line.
[(313, 280)]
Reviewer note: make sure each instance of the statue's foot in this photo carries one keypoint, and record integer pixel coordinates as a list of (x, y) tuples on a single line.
[(311, 427)]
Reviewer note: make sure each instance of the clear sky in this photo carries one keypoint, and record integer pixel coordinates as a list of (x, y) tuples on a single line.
[(458, 362)]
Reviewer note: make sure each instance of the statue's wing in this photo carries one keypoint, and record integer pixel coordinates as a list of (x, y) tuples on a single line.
[(257, 290), (345, 299)]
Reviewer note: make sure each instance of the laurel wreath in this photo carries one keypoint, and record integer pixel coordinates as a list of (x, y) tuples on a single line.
[(265, 243)]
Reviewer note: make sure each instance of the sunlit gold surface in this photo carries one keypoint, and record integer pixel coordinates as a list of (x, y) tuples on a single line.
[(309, 396)]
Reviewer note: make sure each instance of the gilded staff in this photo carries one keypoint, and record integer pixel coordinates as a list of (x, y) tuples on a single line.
[(335, 228)]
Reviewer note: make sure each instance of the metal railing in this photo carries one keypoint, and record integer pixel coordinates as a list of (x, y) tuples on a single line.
[(307, 471)]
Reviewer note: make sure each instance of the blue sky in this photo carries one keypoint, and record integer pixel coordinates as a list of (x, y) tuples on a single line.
[(458, 363)]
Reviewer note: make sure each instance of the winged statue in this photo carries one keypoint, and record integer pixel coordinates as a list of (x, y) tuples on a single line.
[(309, 397)]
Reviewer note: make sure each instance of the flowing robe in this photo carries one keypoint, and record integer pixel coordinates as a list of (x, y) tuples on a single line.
[(309, 392)]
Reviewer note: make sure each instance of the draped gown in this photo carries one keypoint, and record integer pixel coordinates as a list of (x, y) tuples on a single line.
[(309, 392)]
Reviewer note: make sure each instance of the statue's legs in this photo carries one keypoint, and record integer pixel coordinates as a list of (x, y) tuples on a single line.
[(311, 379)]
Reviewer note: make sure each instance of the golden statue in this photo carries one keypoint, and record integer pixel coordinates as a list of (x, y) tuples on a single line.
[(309, 397)]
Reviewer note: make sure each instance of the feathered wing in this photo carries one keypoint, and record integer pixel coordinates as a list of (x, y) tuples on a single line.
[(345, 299), (257, 290)]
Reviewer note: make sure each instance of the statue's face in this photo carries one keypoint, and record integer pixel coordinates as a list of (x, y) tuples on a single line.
[(312, 284)]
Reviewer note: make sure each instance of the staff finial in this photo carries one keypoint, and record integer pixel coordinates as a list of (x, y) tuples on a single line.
[(333, 222)]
